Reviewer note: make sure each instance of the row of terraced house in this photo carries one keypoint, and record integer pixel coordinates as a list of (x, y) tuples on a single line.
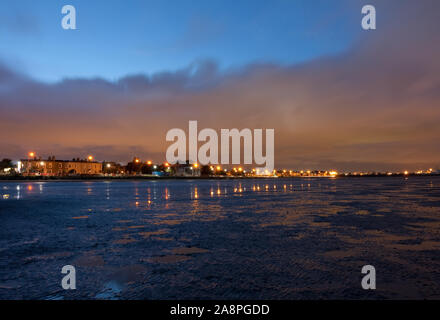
[(53, 167)]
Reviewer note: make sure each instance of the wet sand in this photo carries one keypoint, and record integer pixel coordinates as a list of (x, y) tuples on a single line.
[(221, 239)]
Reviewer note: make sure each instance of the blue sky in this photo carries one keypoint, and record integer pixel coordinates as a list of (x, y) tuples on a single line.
[(117, 38)]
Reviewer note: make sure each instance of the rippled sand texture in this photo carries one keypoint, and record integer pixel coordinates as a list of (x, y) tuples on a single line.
[(234, 239)]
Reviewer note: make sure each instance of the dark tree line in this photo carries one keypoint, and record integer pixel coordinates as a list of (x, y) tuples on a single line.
[(7, 163)]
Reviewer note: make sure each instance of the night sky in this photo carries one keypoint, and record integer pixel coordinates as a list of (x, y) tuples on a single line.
[(337, 96)]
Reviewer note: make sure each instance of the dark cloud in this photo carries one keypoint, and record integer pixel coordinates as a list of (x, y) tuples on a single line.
[(374, 107)]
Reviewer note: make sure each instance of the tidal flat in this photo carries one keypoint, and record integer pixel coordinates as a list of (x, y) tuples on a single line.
[(221, 239)]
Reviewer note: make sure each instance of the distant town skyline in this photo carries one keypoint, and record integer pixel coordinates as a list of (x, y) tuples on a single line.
[(37, 166), (339, 98)]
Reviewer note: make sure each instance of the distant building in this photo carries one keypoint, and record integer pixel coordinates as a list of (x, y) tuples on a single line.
[(186, 170), (52, 167)]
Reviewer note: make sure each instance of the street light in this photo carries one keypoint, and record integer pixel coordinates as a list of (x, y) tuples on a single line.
[(31, 154), (90, 158)]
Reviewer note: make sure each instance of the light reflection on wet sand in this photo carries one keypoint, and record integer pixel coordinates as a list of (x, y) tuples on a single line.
[(248, 239)]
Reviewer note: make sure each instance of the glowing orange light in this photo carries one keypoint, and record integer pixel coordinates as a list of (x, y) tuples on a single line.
[(31, 154), (196, 193), (90, 158), (218, 168), (149, 162), (137, 160), (167, 164), (196, 165)]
